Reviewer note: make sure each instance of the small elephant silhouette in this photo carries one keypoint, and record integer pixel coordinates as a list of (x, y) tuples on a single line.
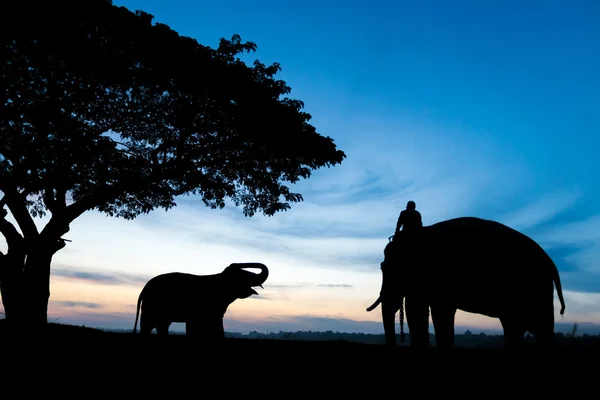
[(200, 301)]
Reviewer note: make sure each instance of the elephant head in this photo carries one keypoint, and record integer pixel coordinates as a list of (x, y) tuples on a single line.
[(241, 281), (394, 288)]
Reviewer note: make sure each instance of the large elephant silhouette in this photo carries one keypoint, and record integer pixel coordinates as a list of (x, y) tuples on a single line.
[(474, 265), (200, 301)]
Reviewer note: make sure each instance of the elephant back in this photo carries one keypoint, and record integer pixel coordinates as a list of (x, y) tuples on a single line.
[(463, 252)]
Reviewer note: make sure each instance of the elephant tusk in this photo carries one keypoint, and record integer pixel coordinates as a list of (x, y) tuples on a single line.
[(374, 305)]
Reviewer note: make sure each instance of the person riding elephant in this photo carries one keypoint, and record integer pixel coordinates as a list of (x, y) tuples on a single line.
[(409, 223), (409, 219)]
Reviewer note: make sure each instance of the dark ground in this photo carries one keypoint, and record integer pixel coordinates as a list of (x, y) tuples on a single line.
[(84, 361)]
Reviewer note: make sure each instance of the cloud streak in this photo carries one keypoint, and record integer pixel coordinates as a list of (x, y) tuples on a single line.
[(77, 304), (308, 285), (544, 210), (342, 286), (583, 238), (104, 278)]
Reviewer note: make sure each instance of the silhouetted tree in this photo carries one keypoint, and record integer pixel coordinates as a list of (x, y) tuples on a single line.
[(104, 109)]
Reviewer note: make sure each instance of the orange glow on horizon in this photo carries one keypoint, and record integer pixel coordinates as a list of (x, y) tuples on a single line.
[(117, 304)]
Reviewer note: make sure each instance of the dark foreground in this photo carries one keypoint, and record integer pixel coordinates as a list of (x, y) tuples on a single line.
[(72, 359)]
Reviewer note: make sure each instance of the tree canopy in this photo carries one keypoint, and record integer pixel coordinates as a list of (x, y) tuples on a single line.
[(103, 109), (124, 115)]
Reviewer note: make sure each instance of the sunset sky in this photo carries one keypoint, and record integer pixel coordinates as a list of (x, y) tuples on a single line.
[(486, 109)]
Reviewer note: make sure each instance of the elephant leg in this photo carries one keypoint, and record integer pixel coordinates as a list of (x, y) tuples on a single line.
[(216, 330), (542, 328), (146, 325), (514, 330), (162, 328), (388, 314), (544, 337), (192, 328), (443, 324), (417, 318)]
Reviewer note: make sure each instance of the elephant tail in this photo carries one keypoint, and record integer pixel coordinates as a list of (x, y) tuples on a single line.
[(557, 283), (137, 312)]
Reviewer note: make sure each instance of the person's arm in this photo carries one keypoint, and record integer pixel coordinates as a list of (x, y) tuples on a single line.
[(400, 221), (420, 220)]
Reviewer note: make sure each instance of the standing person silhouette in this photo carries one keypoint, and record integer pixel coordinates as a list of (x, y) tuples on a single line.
[(409, 219)]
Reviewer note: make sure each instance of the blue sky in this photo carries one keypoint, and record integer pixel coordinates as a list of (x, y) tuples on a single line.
[(488, 109)]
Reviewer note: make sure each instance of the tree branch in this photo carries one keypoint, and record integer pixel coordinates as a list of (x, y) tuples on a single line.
[(92, 200), (55, 204), (13, 237), (49, 199), (18, 208), (61, 198)]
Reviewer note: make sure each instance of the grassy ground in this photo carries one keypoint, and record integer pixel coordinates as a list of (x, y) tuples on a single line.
[(95, 361)]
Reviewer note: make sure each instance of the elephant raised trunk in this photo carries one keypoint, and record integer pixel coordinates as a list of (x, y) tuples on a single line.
[(256, 279), (200, 301)]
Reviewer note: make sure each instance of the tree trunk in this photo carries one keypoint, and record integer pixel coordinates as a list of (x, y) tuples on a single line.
[(37, 290), (25, 269), (25, 301), (10, 276), (25, 285), (11, 282)]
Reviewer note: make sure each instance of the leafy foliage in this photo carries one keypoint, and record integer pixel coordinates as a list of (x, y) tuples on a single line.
[(125, 115)]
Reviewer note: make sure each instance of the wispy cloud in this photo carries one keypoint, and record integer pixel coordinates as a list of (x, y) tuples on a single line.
[(543, 210), (72, 304), (582, 303), (343, 286), (105, 278), (583, 237), (307, 285), (289, 286), (584, 231), (588, 261)]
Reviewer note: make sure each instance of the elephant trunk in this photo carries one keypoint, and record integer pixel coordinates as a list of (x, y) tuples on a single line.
[(258, 279)]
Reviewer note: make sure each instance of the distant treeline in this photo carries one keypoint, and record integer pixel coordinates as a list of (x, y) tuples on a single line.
[(468, 339), (465, 340)]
